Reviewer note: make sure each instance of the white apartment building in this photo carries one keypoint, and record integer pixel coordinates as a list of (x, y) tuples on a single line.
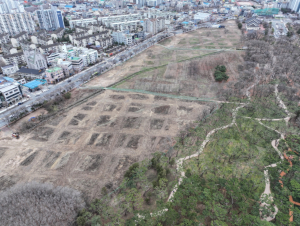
[(88, 57), (82, 22), (294, 5), (16, 23), (10, 69), (9, 93), (119, 18), (153, 26), (66, 66), (126, 25), (121, 37), (50, 19), (11, 6)]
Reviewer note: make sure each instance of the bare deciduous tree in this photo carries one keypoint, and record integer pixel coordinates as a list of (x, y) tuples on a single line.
[(39, 204)]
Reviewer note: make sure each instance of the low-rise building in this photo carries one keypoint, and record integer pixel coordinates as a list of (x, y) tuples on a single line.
[(122, 38), (30, 74), (77, 63), (54, 75), (15, 41), (67, 67), (9, 93), (58, 33), (10, 69), (16, 58), (4, 38), (90, 56), (45, 49)]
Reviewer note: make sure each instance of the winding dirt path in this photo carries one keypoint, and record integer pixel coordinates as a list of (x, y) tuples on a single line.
[(266, 195)]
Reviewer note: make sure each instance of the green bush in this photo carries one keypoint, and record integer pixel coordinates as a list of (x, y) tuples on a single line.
[(131, 171), (220, 73), (67, 95)]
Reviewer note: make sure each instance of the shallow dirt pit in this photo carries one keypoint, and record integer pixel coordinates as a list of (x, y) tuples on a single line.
[(42, 133), (104, 140), (138, 97), (50, 158), (56, 120), (91, 163), (87, 108), (74, 122), (109, 107), (80, 116), (160, 98), (163, 110), (29, 159), (65, 135), (92, 103), (117, 97), (134, 142), (93, 138), (132, 122), (121, 140), (156, 124), (182, 110), (103, 120)]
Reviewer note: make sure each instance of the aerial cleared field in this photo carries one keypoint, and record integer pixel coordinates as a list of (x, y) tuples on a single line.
[(91, 146), (181, 65)]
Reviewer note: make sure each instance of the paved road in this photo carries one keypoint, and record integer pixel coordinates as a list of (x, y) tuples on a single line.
[(78, 79)]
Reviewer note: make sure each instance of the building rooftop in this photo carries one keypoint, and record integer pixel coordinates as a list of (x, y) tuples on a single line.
[(54, 69), (30, 71)]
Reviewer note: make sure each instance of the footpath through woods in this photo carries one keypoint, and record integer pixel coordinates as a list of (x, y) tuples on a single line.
[(266, 197)]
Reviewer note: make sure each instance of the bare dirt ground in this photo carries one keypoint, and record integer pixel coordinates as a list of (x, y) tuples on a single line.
[(157, 55), (93, 144)]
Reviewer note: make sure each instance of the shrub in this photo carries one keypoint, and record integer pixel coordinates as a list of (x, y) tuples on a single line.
[(220, 73), (240, 25), (67, 95), (131, 171)]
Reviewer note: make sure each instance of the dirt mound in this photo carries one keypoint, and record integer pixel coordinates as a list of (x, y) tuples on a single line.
[(138, 96), (163, 110), (117, 97), (156, 123), (60, 164), (93, 138)]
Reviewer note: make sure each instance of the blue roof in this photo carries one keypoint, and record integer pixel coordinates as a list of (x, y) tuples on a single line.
[(95, 9), (68, 6), (35, 83), (9, 79), (185, 22)]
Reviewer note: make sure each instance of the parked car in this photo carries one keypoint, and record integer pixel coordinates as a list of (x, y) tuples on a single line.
[(20, 103)]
